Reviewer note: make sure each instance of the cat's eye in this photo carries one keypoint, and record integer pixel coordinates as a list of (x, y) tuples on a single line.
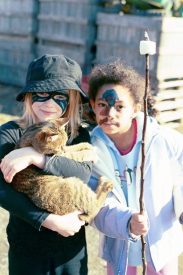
[(52, 135)]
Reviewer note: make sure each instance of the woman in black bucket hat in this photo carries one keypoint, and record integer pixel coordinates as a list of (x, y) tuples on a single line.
[(39, 242)]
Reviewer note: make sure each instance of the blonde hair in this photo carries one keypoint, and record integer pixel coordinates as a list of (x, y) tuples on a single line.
[(74, 113)]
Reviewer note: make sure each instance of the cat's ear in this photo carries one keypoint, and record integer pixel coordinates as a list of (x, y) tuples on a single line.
[(52, 138), (63, 121)]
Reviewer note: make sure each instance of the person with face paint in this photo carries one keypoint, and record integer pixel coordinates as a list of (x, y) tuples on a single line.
[(116, 97), (40, 242)]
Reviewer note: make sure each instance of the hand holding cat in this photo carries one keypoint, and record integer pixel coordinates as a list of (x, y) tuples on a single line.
[(139, 224), (66, 225), (19, 159)]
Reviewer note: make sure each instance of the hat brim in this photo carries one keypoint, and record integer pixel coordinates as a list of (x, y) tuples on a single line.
[(51, 85)]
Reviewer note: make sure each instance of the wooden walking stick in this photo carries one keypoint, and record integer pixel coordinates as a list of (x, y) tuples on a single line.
[(147, 48)]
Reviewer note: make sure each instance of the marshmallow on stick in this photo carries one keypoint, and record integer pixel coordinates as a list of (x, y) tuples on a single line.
[(147, 46)]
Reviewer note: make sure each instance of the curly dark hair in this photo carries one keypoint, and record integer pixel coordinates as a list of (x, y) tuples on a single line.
[(116, 73)]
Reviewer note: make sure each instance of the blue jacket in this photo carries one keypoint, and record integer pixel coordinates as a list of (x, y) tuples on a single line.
[(163, 171)]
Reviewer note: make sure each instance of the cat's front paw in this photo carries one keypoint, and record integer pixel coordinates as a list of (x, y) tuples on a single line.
[(86, 146), (86, 218)]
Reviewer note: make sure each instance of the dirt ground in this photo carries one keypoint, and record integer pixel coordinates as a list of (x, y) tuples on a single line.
[(9, 107)]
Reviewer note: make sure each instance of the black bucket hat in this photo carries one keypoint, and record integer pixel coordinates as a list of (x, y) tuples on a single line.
[(53, 73)]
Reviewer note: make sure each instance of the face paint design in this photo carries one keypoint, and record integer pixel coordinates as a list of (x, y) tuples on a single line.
[(62, 99), (110, 96)]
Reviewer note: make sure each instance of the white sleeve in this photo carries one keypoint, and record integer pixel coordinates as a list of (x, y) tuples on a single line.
[(113, 219)]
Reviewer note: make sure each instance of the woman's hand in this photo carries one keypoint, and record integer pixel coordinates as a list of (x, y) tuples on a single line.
[(19, 159), (66, 225), (139, 224)]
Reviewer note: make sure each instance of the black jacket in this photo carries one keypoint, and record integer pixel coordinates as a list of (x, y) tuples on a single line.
[(24, 228)]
